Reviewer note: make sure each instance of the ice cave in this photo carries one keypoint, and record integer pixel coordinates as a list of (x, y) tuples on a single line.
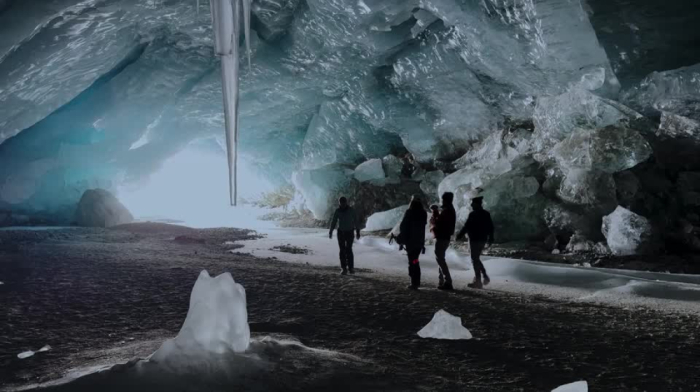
[(561, 111), (577, 122)]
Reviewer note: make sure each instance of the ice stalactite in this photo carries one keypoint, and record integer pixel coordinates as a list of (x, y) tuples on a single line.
[(226, 16)]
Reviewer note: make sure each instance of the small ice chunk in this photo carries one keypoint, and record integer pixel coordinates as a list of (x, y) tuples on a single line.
[(216, 322), (626, 232), (25, 354), (369, 170), (385, 220), (44, 349), (445, 326), (578, 386)]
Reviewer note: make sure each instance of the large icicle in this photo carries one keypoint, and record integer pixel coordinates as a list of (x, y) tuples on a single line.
[(226, 16), (246, 26)]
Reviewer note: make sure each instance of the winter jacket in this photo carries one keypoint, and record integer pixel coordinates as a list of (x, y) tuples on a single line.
[(479, 226), (412, 234), (445, 223), (345, 219)]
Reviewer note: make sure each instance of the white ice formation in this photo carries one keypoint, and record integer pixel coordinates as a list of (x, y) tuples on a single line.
[(385, 220), (578, 386), (25, 354), (445, 326), (369, 170), (626, 232), (216, 322)]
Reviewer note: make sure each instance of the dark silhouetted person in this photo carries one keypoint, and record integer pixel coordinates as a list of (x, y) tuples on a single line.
[(443, 229), (479, 227), (412, 237), (346, 220)]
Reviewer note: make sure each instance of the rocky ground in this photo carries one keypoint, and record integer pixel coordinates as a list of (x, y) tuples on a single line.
[(98, 296)]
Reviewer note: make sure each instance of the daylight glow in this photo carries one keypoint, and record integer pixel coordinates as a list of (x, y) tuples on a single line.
[(192, 187)]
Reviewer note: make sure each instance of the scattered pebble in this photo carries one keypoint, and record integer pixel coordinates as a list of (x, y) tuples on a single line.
[(44, 349), (1, 283), (25, 354), (556, 252)]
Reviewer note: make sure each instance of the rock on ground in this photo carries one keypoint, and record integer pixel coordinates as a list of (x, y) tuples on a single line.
[(100, 208)]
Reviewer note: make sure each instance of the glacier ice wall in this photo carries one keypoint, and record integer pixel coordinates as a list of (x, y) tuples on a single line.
[(563, 101)]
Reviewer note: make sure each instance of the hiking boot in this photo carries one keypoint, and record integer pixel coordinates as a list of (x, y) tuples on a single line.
[(344, 272), (476, 285), (486, 280), (447, 287), (352, 271), (412, 287)]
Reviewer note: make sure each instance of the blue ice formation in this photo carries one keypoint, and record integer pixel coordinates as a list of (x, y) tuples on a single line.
[(492, 93)]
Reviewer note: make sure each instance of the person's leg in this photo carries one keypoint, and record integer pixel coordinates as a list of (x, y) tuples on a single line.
[(476, 248), (341, 246), (440, 250), (410, 267), (414, 267), (441, 277), (349, 256)]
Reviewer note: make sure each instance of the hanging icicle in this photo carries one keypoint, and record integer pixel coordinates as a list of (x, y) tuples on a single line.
[(226, 18)]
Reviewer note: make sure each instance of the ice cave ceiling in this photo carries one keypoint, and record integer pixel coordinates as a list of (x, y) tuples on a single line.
[(96, 93)]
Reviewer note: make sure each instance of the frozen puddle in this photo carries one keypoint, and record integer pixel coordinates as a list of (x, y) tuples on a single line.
[(624, 288), (214, 352)]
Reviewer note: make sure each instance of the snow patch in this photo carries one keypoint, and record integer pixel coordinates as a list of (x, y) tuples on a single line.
[(25, 354), (445, 326)]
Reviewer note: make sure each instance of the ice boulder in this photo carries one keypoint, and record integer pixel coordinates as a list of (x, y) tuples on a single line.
[(676, 126), (431, 182), (445, 326), (676, 91), (610, 150), (393, 166), (564, 222), (216, 322), (369, 170), (556, 117), (385, 220), (626, 232), (99, 208), (321, 188), (498, 155), (578, 386), (580, 244), (588, 188)]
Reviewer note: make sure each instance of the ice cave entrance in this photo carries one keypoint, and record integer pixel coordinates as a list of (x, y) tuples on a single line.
[(191, 188)]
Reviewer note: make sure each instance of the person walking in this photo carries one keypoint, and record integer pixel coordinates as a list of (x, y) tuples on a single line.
[(412, 237), (479, 228), (348, 228), (443, 229)]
